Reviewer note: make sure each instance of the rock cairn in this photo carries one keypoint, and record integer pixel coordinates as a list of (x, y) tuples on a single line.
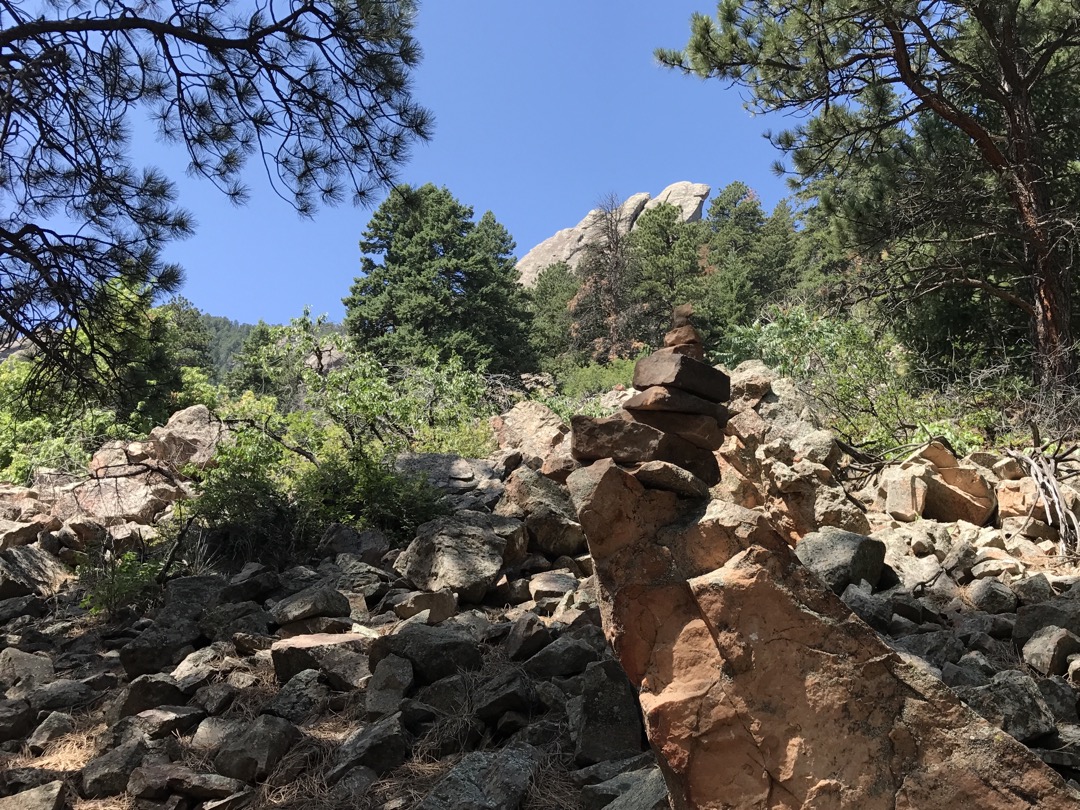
[(759, 686), (674, 423)]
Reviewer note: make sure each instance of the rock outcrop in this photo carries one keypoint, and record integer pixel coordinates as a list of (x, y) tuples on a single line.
[(568, 244)]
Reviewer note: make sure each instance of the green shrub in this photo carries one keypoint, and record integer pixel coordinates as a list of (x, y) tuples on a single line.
[(595, 378), (858, 377), (115, 584)]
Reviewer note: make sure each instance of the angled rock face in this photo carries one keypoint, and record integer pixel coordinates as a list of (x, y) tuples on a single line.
[(568, 244), (760, 689)]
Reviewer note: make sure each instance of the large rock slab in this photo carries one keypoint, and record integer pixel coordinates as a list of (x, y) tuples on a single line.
[(760, 689), (633, 442), (462, 554), (570, 244), (26, 570), (51, 796)]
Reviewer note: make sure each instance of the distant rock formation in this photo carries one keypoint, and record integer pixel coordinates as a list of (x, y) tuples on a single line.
[(568, 244)]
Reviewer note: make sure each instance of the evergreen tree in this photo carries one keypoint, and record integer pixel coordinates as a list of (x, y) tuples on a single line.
[(439, 281), (666, 269), (553, 323), (983, 74)]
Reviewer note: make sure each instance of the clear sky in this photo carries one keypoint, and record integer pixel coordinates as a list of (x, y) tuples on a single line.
[(541, 109)]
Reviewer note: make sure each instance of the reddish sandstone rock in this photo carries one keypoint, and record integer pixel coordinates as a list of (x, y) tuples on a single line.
[(669, 368), (665, 398), (759, 687), (633, 442), (702, 431)]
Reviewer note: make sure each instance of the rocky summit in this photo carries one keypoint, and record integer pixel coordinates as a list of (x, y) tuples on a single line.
[(688, 603), (569, 244)]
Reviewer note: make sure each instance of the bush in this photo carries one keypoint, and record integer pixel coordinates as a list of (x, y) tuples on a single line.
[(116, 584), (859, 378)]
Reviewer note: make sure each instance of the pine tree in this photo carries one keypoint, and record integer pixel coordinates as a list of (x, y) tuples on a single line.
[(442, 283)]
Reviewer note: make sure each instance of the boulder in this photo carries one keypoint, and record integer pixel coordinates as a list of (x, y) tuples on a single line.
[(842, 558), (709, 649), (191, 436), (486, 780), (669, 400), (434, 652), (1048, 651), (159, 781), (633, 442), (317, 601), (26, 570), (381, 746), (532, 428), (390, 682), (108, 774), (253, 754), (50, 796), (462, 554), (158, 646), (1012, 702), (605, 720), (129, 499), (301, 698), (701, 431), (549, 517), (338, 656)]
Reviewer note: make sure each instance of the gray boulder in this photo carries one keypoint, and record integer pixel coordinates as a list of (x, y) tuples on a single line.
[(842, 558), (1012, 702), (462, 553), (486, 780), (253, 754)]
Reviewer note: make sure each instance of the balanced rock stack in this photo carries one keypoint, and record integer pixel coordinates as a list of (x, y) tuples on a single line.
[(673, 424)]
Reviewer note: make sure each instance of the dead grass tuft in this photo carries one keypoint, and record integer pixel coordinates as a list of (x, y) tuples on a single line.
[(67, 754), (250, 701), (551, 787), (299, 780), (121, 802), (408, 785)]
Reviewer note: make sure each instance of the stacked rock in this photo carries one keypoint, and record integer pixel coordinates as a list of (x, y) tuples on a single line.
[(675, 420)]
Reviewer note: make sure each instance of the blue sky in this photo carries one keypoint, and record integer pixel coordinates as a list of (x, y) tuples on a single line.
[(541, 109)]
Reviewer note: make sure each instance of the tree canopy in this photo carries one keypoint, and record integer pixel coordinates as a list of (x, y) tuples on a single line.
[(317, 91), (443, 282), (983, 71)]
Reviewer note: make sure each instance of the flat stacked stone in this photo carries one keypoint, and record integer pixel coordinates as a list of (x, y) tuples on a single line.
[(677, 415)]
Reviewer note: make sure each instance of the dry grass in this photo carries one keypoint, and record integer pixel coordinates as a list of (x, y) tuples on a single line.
[(551, 787), (67, 754), (299, 780), (121, 802), (408, 785), (250, 701)]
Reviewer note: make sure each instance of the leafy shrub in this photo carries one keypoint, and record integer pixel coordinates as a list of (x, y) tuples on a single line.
[(114, 584), (595, 378), (365, 493), (859, 376)]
